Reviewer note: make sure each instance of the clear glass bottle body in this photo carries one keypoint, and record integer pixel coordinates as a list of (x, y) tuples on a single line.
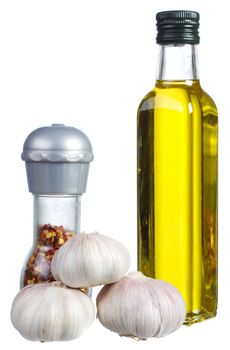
[(56, 219), (177, 182)]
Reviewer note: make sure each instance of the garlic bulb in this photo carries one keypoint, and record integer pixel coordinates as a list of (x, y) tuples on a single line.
[(141, 307), (51, 312), (88, 260)]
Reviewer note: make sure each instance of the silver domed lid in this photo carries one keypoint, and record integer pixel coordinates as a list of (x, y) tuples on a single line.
[(57, 160)]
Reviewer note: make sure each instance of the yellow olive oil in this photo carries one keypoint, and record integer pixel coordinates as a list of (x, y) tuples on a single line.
[(177, 192)]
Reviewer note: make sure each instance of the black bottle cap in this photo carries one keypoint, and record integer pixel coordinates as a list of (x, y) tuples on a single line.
[(178, 27)]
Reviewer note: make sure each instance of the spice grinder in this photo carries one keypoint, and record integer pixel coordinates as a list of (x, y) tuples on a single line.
[(57, 159)]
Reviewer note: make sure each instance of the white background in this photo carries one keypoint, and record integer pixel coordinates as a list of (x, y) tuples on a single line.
[(88, 64)]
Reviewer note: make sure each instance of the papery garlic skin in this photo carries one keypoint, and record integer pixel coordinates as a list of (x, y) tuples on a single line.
[(142, 307), (90, 259), (51, 312)]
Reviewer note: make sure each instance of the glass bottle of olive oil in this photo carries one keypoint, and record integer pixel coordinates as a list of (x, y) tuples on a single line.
[(177, 171)]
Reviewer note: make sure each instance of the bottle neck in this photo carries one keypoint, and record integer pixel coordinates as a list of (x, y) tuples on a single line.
[(177, 62)]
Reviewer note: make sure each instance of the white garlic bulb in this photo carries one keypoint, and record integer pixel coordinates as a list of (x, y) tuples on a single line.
[(141, 307), (51, 312), (90, 259)]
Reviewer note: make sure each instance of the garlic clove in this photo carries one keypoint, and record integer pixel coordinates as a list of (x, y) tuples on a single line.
[(53, 271), (51, 312), (140, 307), (88, 260)]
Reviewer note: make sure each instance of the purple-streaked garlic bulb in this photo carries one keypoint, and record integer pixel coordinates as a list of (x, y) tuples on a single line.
[(140, 307)]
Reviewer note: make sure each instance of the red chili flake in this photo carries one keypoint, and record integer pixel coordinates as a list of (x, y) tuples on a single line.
[(50, 239)]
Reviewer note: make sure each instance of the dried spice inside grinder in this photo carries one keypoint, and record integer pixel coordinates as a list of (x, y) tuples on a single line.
[(50, 239)]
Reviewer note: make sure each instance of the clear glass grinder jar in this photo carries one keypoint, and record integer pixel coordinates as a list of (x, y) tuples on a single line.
[(57, 163)]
